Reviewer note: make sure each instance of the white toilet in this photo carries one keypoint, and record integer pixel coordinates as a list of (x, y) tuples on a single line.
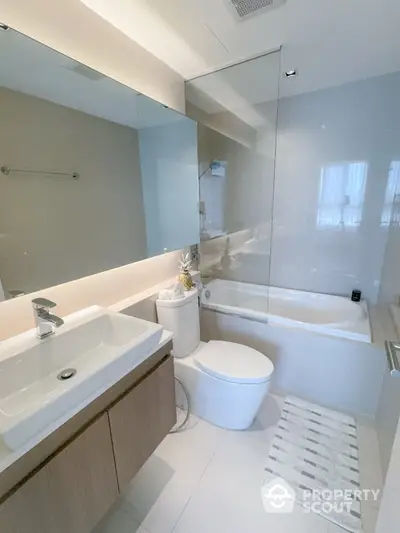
[(226, 382)]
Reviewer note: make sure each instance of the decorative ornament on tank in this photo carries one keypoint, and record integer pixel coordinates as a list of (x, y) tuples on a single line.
[(184, 272)]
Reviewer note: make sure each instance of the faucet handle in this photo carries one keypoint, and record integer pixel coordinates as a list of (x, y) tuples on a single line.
[(42, 303)]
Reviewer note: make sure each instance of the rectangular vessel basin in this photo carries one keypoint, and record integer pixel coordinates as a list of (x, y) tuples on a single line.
[(99, 346)]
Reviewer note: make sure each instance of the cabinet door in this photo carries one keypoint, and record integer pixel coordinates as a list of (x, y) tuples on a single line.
[(69, 494), (141, 420)]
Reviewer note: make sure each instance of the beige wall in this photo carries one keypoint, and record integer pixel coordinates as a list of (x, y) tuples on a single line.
[(73, 29), (54, 228), (103, 289)]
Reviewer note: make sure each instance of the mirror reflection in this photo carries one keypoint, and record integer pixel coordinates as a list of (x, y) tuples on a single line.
[(93, 174), (237, 112)]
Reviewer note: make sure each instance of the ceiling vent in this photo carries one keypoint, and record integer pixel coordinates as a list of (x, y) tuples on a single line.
[(244, 8)]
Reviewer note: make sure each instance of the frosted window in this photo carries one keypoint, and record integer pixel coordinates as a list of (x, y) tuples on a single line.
[(341, 195)]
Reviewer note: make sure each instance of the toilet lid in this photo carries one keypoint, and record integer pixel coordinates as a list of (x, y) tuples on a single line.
[(234, 362)]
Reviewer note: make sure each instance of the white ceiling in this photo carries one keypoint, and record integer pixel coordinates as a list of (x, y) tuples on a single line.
[(29, 67), (330, 43)]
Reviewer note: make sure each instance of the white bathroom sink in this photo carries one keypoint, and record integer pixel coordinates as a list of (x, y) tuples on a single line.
[(100, 345)]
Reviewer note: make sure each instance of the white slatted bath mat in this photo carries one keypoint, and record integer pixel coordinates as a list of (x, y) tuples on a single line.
[(314, 449)]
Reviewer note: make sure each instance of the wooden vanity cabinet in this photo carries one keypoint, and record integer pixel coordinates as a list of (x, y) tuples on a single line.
[(75, 487), (140, 421), (71, 493)]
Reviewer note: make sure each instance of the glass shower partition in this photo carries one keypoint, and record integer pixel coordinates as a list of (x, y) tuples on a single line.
[(236, 109)]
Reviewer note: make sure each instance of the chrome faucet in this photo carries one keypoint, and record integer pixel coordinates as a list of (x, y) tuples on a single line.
[(46, 323)]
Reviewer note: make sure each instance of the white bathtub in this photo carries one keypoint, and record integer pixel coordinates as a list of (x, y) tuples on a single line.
[(322, 313)]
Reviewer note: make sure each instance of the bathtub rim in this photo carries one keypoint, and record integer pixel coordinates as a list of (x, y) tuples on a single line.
[(338, 329)]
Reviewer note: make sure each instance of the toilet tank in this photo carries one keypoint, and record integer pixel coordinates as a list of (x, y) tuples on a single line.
[(181, 316)]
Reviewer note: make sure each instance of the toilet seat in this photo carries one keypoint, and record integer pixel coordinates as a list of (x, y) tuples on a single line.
[(234, 362)]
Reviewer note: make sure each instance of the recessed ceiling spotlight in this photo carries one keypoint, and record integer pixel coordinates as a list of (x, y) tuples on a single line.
[(4, 27), (290, 73)]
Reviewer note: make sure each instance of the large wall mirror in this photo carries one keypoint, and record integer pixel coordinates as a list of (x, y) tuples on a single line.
[(93, 175)]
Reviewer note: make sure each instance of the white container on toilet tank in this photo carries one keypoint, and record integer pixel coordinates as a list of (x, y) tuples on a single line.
[(182, 317), (226, 382)]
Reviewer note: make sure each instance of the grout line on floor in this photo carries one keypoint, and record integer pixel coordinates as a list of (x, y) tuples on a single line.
[(197, 484)]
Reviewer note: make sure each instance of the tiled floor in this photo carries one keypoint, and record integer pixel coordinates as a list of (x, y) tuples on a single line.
[(208, 480)]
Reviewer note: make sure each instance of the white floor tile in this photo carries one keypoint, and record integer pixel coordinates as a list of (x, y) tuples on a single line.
[(387, 521), (333, 528), (156, 508), (208, 480), (369, 459), (160, 491), (118, 520), (369, 518), (193, 447), (209, 511), (228, 497)]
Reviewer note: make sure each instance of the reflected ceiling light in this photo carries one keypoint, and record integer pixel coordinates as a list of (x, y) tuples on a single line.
[(291, 73)]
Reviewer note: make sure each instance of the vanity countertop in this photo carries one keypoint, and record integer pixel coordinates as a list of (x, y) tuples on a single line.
[(8, 457)]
